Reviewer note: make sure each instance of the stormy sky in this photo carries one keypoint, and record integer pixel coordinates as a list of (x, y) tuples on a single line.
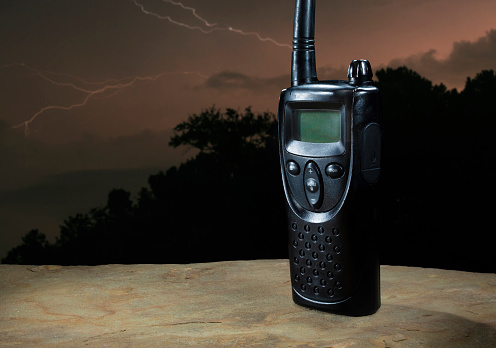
[(91, 89)]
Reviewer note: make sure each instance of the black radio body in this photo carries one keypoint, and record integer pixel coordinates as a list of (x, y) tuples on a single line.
[(330, 151)]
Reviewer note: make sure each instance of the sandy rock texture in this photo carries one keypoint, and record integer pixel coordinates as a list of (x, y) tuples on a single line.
[(240, 303)]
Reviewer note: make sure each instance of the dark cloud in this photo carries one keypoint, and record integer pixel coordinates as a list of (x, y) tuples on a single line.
[(27, 160), (233, 80), (229, 80), (466, 59)]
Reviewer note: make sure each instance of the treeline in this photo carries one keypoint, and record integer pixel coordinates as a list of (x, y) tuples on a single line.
[(223, 204), (437, 180), (227, 202)]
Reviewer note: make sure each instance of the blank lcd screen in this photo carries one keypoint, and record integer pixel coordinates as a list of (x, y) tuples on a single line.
[(318, 126)]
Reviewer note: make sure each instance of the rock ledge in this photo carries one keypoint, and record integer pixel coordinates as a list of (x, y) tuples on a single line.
[(241, 303)]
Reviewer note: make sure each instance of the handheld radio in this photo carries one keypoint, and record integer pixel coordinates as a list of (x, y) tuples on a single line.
[(330, 149)]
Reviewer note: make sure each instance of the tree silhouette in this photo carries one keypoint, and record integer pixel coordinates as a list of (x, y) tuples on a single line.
[(226, 202), (33, 250), (225, 134), (435, 171), (226, 196)]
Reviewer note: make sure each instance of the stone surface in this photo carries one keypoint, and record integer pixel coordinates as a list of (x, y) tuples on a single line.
[(237, 304)]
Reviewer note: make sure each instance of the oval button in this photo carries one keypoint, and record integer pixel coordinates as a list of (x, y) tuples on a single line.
[(334, 170), (312, 181)]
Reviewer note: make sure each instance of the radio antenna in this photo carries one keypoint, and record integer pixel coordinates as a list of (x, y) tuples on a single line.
[(303, 66)]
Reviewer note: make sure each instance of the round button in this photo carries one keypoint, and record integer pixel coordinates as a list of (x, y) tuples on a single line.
[(293, 167), (334, 170), (312, 185)]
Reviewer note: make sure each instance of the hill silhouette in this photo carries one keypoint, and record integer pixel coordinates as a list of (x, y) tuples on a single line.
[(227, 202)]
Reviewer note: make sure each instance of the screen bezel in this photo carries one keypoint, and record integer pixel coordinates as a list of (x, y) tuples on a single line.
[(308, 149)]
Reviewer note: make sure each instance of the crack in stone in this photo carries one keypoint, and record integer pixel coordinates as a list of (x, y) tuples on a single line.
[(190, 322)]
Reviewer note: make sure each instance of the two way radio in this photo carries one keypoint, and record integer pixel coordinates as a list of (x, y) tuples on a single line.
[(330, 149)]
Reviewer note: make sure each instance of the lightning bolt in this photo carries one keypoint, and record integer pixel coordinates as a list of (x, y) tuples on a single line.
[(112, 85), (102, 88), (193, 11), (212, 27)]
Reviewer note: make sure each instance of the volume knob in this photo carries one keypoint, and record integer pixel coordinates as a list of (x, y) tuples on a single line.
[(360, 71)]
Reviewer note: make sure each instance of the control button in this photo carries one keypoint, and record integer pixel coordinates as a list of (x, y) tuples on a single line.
[(293, 168), (334, 170), (360, 71), (312, 181), (312, 185)]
